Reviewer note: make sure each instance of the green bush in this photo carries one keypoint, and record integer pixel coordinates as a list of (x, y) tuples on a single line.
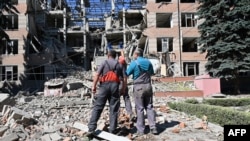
[(215, 114), (192, 101), (228, 102)]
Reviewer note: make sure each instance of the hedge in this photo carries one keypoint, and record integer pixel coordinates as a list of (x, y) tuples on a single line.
[(192, 101), (216, 114), (228, 102)]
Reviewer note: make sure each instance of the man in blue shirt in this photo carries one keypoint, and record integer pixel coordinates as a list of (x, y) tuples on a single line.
[(141, 70)]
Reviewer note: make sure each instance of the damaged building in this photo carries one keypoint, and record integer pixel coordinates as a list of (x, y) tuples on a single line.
[(172, 28), (12, 44), (50, 38)]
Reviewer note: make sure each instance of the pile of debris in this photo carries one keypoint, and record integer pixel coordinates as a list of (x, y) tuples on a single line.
[(63, 109)]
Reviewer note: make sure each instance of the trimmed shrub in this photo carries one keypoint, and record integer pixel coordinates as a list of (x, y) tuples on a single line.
[(216, 114), (228, 102), (192, 101)]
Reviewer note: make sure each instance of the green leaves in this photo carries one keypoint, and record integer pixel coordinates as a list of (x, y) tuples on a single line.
[(225, 37), (215, 114)]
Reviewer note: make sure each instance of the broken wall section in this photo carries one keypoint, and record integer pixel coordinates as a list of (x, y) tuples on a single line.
[(46, 53)]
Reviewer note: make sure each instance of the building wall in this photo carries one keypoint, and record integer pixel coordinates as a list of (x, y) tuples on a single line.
[(19, 34), (154, 32)]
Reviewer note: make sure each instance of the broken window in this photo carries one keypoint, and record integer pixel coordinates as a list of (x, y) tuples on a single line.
[(35, 72), (164, 44), (9, 22), (54, 21), (8, 73), (163, 20), (10, 47), (191, 68), (158, 1), (188, 20), (187, 1), (189, 44), (74, 40)]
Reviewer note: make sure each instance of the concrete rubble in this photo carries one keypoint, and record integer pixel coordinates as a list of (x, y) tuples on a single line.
[(40, 117)]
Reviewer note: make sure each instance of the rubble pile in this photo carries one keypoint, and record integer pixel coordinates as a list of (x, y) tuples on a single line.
[(53, 117)]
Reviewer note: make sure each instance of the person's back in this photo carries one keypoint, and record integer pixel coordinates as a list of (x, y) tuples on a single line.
[(142, 69), (108, 73)]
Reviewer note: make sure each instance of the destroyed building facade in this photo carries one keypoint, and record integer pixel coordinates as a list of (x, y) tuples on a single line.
[(50, 38), (13, 25), (172, 29)]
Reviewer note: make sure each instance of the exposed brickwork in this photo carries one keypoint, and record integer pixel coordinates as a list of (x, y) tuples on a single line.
[(193, 93)]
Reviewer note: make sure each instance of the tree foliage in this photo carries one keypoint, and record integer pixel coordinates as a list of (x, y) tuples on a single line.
[(225, 36)]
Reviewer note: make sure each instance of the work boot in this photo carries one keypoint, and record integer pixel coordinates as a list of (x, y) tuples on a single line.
[(90, 133)]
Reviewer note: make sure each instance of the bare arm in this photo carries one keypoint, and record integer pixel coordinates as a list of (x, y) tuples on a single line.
[(95, 80), (122, 53)]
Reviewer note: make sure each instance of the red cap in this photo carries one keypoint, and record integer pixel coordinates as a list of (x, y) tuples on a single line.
[(121, 60)]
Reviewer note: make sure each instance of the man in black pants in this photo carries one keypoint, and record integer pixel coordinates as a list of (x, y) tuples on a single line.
[(108, 90)]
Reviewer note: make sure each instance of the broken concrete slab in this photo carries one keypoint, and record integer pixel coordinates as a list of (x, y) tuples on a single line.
[(55, 137), (15, 115), (74, 85), (10, 137), (81, 126), (3, 129), (46, 137), (19, 112), (5, 99), (109, 136)]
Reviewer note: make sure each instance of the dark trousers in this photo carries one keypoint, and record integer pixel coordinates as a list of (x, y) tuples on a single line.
[(107, 91), (127, 102), (143, 95)]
